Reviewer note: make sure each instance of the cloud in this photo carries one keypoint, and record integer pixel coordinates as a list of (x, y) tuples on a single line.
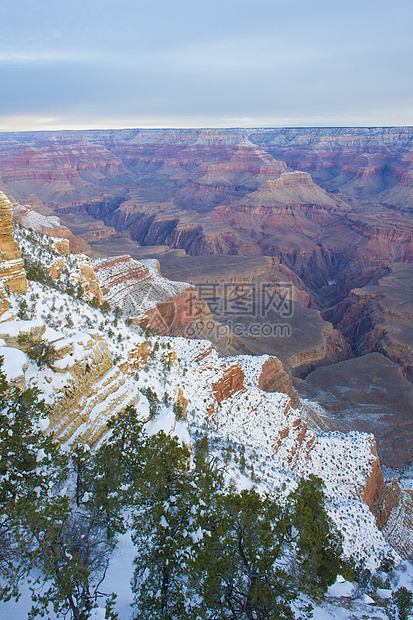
[(50, 56), (136, 63), (372, 117)]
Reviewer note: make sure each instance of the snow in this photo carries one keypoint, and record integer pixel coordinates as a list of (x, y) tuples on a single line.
[(31, 219), (12, 329), (247, 422), (341, 589), (182, 433), (133, 286), (165, 421), (41, 454), (44, 424), (197, 536), (15, 362), (367, 599), (384, 593), (358, 611), (67, 362), (52, 335)]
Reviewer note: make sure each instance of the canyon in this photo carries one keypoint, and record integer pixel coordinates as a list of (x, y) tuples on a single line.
[(98, 362), (327, 211)]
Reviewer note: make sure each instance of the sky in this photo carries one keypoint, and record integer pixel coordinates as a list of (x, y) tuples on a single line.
[(86, 64)]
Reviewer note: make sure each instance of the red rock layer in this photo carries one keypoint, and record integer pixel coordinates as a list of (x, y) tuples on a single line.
[(274, 379), (231, 381), (12, 271)]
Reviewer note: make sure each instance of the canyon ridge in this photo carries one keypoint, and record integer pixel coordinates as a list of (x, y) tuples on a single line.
[(323, 216)]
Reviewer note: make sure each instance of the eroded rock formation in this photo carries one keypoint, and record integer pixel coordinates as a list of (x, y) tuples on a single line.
[(273, 378), (12, 272), (379, 317), (141, 292), (50, 225)]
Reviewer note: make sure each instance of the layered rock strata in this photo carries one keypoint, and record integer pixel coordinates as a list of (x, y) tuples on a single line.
[(379, 317), (133, 286), (12, 272), (87, 278), (155, 302), (49, 225)]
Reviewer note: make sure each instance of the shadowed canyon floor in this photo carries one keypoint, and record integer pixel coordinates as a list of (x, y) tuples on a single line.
[(368, 393), (327, 211)]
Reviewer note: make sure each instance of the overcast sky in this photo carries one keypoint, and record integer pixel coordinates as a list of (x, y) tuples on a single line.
[(191, 63)]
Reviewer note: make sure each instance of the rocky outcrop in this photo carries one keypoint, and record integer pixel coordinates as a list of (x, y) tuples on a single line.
[(11, 330), (82, 415), (234, 381), (12, 272), (378, 317), (225, 378), (14, 366), (50, 225), (83, 354), (61, 246), (140, 291), (179, 315), (92, 392), (9, 247), (55, 269), (133, 286), (374, 488), (87, 278), (4, 300), (230, 382), (137, 358), (273, 378), (397, 505), (295, 432), (82, 388), (289, 188), (267, 373)]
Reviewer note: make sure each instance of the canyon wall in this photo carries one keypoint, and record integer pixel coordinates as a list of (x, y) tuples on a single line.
[(332, 206), (12, 272)]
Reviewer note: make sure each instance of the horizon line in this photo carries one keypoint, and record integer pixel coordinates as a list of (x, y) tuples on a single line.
[(176, 128)]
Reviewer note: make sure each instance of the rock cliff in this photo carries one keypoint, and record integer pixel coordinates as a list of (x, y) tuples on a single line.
[(155, 302), (133, 286), (273, 378), (94, 389), (49, 225), (378, 317), (342, 186), (12, 272)]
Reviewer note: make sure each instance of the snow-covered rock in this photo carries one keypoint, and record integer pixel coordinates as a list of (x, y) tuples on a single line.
[(14, 366)]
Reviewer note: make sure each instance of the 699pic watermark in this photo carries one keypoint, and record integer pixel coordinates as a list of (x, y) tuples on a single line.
[(245, 309)]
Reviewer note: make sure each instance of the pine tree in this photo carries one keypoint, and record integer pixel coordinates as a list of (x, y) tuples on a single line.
[(236, 570), (400, 604), (42, 528), (160, 526), (262, 553), (319, 544), (118, 468), (31, 466), (81, 461)]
